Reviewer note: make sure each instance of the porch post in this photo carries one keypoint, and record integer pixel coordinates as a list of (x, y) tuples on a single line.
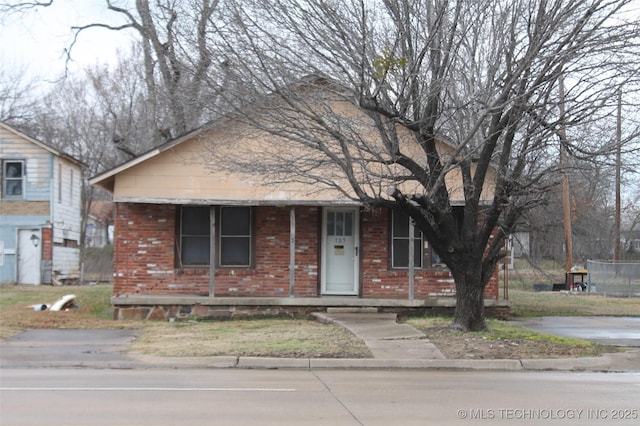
[(411, 260), (292, 250), (212, 251)]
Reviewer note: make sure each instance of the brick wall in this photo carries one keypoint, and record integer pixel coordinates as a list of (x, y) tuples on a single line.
[(47, 254), (47, 243), (25, 208), (144, 253), (380, 281), (144, 258), (270, 277)]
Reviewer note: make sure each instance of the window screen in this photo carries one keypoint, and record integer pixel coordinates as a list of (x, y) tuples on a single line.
[(235, 236), (400, 242), (194, 235)]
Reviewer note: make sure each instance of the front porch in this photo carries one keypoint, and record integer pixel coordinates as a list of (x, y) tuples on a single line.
[(180, 307)]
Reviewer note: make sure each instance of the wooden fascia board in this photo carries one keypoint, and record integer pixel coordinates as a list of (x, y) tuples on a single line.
[(219, 202)]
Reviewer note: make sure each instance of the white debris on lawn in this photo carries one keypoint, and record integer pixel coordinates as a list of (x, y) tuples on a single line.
[(65, 303)]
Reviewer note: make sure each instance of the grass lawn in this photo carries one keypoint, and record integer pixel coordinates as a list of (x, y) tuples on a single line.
[(279, 337), (283, 337), (554, 303), (503, 340)]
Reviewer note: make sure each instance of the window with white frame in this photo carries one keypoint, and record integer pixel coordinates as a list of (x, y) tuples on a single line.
[(13, 173), (423, 255)]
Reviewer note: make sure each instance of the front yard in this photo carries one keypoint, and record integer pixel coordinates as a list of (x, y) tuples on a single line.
[(285, 337)]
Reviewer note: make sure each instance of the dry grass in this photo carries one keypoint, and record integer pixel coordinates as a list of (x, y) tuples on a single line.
[(502, 341), (260, 337), (94, 308), (530, 304), (307, 339), (264, 337)]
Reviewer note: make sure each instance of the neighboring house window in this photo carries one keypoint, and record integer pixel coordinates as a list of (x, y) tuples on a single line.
[(234, 240), (400, 224), (235, 236), (13, 173), (194, 236)]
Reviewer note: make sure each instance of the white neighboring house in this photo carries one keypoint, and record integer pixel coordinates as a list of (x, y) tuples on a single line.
[(40, 211)]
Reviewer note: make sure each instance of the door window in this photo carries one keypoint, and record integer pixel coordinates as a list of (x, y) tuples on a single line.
[(340, 224)]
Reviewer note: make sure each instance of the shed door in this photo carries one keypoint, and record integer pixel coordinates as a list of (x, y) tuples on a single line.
[(29, 241), (340, 260)]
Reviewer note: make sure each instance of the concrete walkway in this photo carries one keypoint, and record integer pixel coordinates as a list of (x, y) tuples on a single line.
[(385, 337)]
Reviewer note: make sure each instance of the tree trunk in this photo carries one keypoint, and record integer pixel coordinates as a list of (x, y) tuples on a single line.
[(469, 312)]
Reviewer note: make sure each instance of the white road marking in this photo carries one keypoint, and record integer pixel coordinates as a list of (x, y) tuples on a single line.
[(56, 389)]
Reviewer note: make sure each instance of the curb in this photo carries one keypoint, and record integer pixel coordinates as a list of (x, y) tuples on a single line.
[(619, 362), (596, 364)]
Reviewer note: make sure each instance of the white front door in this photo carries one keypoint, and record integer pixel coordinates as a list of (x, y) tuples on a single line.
[(29, 256), (340, 257)]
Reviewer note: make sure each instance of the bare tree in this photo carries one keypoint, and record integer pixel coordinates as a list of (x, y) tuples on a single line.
[(476, 77), (175, 43), (71, 119), (17, 96), (479, 76), (99, 117)]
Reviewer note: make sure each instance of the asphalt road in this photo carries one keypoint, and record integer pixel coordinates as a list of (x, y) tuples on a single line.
[(620, 331), (85, 377), (302, 397)]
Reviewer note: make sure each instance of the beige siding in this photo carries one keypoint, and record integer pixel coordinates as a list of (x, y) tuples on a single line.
[(192, 171), (180, 173)]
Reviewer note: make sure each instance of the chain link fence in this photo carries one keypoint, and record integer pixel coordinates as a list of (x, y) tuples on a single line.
[(613, 279)]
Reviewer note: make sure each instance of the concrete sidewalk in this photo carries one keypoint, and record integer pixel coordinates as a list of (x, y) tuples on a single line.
[(381, 332)]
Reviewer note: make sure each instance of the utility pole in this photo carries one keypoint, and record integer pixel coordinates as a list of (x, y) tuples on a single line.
[(566, 196), (616, 241)]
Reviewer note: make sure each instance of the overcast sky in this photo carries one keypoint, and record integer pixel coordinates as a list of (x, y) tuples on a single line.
[(35, 41)]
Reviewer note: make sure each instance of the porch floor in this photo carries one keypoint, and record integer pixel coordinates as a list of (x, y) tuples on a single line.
[(175, 306)]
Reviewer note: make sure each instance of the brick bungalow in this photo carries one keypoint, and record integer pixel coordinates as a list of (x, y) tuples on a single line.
[(195, 239)]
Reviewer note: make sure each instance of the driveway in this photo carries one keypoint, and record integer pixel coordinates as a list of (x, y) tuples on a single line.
[(619, 331), (68, 347)]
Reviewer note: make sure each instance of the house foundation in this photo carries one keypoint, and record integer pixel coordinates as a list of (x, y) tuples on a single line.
[(176, 308)]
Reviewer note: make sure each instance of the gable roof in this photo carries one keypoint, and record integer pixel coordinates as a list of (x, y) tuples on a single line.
[(42, 145), (106, 179), (195, 168), (177, 172)]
